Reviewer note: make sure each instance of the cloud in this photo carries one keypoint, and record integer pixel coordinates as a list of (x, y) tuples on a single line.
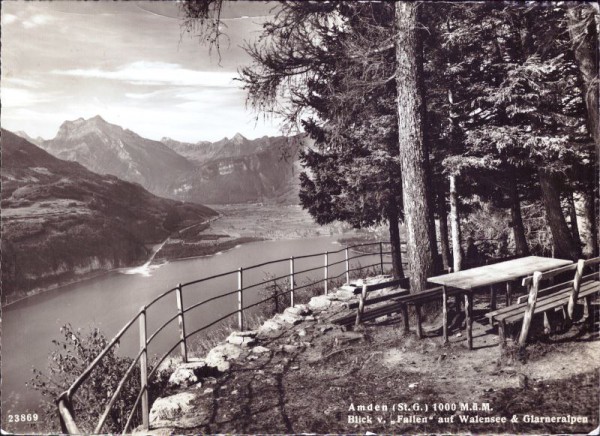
[(157, 73), (18, 97), (19, 82), (8, 19), (37, 20)]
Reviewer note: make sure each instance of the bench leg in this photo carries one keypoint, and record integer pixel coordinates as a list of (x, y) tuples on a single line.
[(469, 319), (404, 310), (508, 293), (419, 327), (547, 324), (445, 315), (493, 297), (566, 324), (361, 305), (502, 333), (589, 320)]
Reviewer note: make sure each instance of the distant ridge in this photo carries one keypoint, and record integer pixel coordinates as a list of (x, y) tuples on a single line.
[(236, 170), (107, 148)]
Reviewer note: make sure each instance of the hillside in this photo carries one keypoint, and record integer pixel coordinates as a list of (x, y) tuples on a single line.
[(236, 170), (299, 372), (61, 221)]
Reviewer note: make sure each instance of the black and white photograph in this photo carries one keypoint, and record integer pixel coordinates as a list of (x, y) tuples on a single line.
[(300, 217)]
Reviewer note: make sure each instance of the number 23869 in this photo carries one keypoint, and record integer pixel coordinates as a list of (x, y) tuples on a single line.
[(23, 417)]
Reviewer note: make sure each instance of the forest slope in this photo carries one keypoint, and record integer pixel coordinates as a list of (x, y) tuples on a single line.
[(61, 221)]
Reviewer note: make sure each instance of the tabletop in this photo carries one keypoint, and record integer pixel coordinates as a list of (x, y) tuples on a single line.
[(498, 272)]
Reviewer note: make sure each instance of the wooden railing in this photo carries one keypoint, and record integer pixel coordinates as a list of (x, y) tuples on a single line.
[(66, 399)]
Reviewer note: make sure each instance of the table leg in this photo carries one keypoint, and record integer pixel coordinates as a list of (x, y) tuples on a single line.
[(508, 293), (469, 319), (493, 297), (445, 314)]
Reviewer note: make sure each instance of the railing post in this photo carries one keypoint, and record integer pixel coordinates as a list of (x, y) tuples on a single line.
[(240, 299), (381, 256), (179, 295), (326, 272), (144, 368), (292, 281), (347, 266)]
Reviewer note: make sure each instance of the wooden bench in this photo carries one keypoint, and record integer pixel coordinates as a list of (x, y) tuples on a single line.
[(364, 291), (399, 304), (560, 296)]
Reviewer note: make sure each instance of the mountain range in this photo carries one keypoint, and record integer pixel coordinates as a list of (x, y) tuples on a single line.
[(61, 220), (236, 170)]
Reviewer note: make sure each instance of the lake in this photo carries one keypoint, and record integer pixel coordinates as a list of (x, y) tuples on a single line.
[(110, 300)]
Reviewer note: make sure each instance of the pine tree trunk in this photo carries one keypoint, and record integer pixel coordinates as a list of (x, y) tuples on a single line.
[(443, 216), (564, 245), (455, 226), (584, 210), (392, 216), (413, 154), (573, 218), (521, 248), (585, 47)]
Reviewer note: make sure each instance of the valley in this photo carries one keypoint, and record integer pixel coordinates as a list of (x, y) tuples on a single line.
[(242, 223)]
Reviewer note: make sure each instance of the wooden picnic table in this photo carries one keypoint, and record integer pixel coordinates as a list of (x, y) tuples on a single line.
[(475, 278)]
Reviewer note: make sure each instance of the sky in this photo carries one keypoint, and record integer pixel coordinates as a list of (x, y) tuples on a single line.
[(130, 63)]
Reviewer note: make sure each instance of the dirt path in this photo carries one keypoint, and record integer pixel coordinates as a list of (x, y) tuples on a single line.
[(316, 378)]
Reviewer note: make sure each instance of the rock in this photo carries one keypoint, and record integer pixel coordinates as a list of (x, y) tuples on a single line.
[(169, 409), (301, 332), (245, 334), (342, 294), (326, 328), (298, 310), (291, 348), (310, 318), (295, 368), (208, 391), (289, 318), (350, 287), (260, 350), (413, 385), (319, 303), (523, 381), (221, 355), (244, 341), (269, 326), (348, 337), (187, 374)]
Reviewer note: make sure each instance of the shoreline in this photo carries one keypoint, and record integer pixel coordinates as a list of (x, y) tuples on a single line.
[(99, 273)]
